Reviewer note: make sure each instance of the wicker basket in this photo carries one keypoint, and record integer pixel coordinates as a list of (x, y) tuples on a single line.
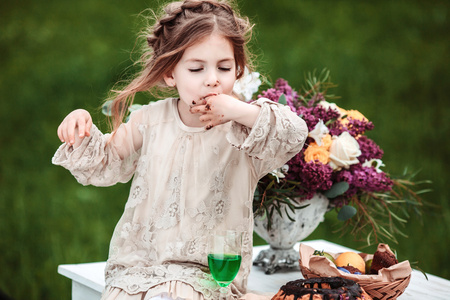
[(388, 284)]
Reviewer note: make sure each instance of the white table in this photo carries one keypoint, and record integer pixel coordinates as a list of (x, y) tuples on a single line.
[(88, 279)]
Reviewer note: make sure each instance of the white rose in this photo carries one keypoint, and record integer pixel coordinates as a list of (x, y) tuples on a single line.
[(327, 105), (247, 85), (319, 131), (344, 151)]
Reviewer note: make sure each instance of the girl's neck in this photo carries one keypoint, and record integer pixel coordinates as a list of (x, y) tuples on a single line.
[(189, 119)]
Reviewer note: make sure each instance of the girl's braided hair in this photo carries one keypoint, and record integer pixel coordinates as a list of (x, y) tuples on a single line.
[(183, 24)]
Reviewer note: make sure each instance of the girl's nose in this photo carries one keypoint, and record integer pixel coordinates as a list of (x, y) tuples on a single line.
[(212, 84), (211, 80)]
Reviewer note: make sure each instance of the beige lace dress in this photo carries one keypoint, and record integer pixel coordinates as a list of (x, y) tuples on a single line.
[(186, 182)]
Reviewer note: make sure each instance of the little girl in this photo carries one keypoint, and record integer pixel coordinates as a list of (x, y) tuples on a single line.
[(195, 160)]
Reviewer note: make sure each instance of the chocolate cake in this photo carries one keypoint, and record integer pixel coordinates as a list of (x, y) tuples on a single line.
[(326, 288), (382, 259)]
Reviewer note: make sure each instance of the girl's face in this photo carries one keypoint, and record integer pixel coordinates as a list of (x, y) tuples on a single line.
[(205, 68)]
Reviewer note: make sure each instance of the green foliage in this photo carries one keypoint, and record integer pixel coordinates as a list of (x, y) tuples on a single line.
[(382, 216), (274, 195), (390, 59), (337, 189), (346, 212), (316, 84), (282, 99)]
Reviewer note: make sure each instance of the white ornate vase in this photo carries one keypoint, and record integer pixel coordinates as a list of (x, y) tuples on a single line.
[(284, 233)]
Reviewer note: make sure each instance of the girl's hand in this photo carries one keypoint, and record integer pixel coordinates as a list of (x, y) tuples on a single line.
[(214, 110), (75, 127), (220, 109)]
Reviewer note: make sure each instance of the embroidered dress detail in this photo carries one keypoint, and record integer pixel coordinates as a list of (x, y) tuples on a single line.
[(187, 181)]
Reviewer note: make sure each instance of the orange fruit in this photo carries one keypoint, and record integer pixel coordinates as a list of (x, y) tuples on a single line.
[(351, 259)]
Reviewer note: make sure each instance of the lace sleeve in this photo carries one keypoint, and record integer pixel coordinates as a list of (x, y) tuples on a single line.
[(103, 159), (277, 135)]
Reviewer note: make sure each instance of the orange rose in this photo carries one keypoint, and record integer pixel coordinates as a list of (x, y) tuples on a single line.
[(315, 152), (342, 111), (355, 115)]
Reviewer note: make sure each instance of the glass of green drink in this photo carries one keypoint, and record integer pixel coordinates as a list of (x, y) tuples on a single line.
[(224, 258)]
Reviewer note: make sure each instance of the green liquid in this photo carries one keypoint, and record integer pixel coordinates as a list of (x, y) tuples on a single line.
[(224, 267)]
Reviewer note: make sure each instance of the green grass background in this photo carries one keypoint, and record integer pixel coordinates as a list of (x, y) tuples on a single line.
[(390, 60)]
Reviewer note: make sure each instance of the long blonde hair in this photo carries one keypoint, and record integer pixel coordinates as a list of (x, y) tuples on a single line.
[(182, 25)]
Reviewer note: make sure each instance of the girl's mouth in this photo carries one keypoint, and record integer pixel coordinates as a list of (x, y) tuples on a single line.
[(209, 95)]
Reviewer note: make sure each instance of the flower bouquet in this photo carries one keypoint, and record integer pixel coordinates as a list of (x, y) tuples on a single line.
[(338, 161)]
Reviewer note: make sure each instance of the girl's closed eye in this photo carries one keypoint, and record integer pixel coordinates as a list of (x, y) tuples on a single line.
[(225, 69), (194, 70)]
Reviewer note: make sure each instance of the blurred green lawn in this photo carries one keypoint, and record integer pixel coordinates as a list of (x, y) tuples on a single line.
[(389, 58)]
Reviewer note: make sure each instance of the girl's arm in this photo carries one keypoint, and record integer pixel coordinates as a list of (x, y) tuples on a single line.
[(276, 136), (271, 133), (223, 108), (95, 158), (77, 125)]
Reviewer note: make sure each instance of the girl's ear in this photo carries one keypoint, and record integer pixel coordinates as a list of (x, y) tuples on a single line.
[(169, 80)]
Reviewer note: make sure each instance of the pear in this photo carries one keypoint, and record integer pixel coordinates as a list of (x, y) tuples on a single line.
[(327, 255)]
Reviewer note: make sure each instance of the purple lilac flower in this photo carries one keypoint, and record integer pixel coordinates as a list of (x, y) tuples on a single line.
[(369, 149), (307, 116), (368, 179), (312, 115), (347, 176), (324, 114), (295, 165), (336, 128), (363, 178), (291, 95), (358, 127), (313, 176), (282, 87), (271, 94), (354, 127)]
